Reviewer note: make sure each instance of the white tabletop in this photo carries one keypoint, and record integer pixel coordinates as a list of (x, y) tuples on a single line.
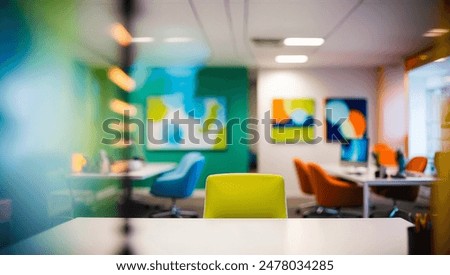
[(222, 236), (369, 177), (150, 169)]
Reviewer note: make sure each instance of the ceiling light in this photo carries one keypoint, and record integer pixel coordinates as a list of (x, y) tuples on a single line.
[(291, 58), (122, 108), (435, 32), (121, 79), (441, 59), (299, 41), (432, 34), (178, 39), (142, 39), (443, 31), (121, 35)]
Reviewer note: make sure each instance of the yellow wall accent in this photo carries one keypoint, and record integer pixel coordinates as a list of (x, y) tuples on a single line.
[(159, 110)]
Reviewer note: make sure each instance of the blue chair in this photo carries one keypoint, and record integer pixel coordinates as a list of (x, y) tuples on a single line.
[(179, 183)]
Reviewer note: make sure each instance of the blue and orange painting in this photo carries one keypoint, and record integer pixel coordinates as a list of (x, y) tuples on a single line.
[(346, 119)]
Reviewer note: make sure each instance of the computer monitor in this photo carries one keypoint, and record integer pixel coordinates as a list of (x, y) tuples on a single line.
[(355, 152)]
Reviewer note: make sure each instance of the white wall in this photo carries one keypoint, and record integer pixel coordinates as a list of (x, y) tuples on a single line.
[(393, 107), (313, 83)]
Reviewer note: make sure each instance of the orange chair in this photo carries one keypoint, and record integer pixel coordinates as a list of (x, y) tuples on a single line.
[(404, 193), (386, 154), (305, 185), (303, 177), (333, 193)]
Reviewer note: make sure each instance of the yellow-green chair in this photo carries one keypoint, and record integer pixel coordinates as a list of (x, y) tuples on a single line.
[(245, 196)]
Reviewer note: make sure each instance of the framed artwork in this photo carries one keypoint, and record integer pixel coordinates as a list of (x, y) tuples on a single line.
[(292, 120), (177, 123), (346, 118)]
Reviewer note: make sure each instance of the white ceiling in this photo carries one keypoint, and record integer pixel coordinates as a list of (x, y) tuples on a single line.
[(357, 33)]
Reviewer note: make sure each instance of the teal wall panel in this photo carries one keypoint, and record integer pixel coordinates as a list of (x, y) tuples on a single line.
[(231, 83)]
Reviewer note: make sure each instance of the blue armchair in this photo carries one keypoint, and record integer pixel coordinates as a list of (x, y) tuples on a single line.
[(179, 183)]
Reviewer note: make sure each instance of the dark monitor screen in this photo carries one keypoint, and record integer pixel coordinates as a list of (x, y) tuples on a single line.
[(355, 152)]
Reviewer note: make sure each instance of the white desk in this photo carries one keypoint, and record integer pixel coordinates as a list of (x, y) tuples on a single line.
[(150, 169), (222, 236), (368, 179)]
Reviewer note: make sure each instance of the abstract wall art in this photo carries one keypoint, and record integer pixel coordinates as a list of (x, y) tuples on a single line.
[(178, 123), (346, 118), (292, 120)]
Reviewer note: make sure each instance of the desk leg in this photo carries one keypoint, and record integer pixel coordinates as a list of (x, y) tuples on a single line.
[(366, 200)]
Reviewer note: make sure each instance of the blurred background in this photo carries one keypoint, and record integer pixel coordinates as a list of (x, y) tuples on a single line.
[(67, 66)]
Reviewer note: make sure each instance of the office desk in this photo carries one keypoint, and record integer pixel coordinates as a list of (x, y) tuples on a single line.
[(368, 179), (222, 236), (150, 169)]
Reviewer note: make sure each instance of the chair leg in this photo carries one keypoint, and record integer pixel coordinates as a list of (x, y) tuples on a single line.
[(175, 212), (165, 214), (305, 207), (306, 212), (187, 213), (397, 212), (327, 211), (394, 210), (331, 212)]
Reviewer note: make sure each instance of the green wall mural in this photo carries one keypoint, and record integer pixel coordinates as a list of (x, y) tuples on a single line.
[(229, 83)]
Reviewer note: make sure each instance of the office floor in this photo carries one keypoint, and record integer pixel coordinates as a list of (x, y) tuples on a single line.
[(195, 203)]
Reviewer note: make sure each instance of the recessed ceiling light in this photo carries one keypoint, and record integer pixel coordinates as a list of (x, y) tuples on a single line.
[(142, 39), (122, 108), (120, 34), (291, 58), (303, 41), (435, 32), (121, 79), (441, 59), (178, 39), (432, 34), (439, 30)]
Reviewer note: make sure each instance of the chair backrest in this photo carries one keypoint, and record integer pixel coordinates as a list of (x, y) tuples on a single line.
[(194, 170), (319, 178), (186, 162), (417, 164), (245, 196), (183, 178), (387, 155), (331, 192), (303, 176)]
